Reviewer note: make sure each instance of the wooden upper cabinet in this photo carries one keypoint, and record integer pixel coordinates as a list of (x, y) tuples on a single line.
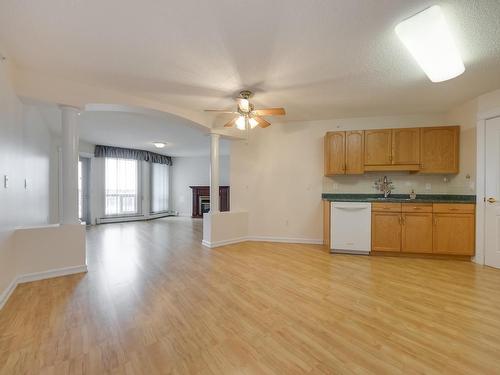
[(354, 144), (344, 153), (439, 149), (334, 153), (378, 147), (406, 146), (426, 150)]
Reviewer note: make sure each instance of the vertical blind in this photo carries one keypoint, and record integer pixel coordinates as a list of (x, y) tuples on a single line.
[(121, 186), (159, 187)]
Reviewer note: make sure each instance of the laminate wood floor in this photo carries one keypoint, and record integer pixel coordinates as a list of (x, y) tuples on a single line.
[(156, 302)]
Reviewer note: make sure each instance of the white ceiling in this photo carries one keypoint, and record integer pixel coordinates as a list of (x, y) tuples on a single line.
[(317, 58), (134, 128)]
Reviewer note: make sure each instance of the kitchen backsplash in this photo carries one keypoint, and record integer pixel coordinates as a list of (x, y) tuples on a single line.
[(403, 183)]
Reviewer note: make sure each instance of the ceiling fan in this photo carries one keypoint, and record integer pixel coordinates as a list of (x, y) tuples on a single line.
[(249, 117)]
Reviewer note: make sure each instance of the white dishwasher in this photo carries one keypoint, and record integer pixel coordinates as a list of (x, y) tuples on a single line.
[(350, 227)]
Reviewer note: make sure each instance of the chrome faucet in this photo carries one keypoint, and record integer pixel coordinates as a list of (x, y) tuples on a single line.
[(384, 185)]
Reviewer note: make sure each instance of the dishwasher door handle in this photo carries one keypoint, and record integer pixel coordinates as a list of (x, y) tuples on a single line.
[(351, 207)]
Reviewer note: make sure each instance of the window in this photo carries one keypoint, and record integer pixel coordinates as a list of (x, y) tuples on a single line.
[(121, 187), (159, 187)]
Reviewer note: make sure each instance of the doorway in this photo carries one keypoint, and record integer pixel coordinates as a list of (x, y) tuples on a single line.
[(492, 193), (84, 190)]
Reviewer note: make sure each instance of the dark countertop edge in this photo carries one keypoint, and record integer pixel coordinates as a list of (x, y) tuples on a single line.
[(400, 198)]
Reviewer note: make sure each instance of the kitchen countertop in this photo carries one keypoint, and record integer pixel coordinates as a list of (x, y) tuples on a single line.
[(399, 198)]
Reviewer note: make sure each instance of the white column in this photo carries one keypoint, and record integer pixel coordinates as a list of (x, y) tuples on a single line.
[(69, 122), (214, 173)]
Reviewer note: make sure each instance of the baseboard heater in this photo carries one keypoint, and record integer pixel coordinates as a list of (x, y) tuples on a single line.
[(119, 219)]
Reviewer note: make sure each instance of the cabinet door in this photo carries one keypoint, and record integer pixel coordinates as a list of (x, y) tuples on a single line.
[(417, 232), (354, 142), (334, 153), (406, 146), (386, 231), (378, 147), (439, 149), (454, 234)]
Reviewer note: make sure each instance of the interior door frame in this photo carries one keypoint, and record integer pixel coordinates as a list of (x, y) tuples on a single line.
[(482, 118)]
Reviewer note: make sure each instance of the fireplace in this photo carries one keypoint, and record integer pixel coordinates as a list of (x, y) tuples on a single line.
[(204, 204), (201, 199)]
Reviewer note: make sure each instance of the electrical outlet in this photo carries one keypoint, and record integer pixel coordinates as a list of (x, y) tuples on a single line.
[(5, 181), (428, 187)]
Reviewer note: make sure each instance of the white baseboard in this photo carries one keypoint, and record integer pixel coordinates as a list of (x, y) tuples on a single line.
[(7, 293), (262, 239), (224, 242), (38, 276), (26, 278), (285, 240)]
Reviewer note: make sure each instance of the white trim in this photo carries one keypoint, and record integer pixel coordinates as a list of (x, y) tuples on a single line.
[(262, 239), (223, 242), (311, 241), (480, 191), (20, 279), (7, 293), (58, 272), (480, 181)]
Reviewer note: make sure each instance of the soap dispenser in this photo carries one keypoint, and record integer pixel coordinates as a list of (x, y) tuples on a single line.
[(413, 195)]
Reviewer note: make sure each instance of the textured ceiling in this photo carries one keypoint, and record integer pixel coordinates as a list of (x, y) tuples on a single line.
[(318, 59)]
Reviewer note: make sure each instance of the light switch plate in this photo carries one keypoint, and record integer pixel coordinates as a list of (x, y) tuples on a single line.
[(428, 187)]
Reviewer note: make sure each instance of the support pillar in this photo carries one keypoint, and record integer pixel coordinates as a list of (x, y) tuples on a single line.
[(214, 173)]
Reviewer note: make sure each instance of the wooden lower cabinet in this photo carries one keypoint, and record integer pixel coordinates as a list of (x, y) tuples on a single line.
[(416, 233), (419, 228), (454, 234), (386, 231)]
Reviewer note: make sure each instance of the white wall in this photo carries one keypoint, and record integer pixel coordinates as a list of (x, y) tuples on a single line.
[(277, 175), (191, 171), (24, 153)]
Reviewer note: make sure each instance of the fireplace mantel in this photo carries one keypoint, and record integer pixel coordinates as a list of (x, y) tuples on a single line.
[(204, 191)]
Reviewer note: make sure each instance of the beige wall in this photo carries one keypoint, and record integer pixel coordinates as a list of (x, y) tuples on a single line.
[(277, 175)]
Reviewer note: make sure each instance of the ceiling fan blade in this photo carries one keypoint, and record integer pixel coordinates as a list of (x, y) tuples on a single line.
[(269, 112), (231, 123), (219, 111), (262, 123)]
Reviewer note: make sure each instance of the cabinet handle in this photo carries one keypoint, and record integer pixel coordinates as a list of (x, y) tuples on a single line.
[(435, 221)]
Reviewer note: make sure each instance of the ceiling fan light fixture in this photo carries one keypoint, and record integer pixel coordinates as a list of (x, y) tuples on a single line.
[(253, 123), (428, 38), (241, 123), (244, 105)]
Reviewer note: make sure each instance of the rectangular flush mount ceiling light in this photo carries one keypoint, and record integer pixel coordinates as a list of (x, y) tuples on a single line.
[(427, 37)]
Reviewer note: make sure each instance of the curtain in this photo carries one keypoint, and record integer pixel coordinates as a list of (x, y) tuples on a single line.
[(159, 187), (130, 153)]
